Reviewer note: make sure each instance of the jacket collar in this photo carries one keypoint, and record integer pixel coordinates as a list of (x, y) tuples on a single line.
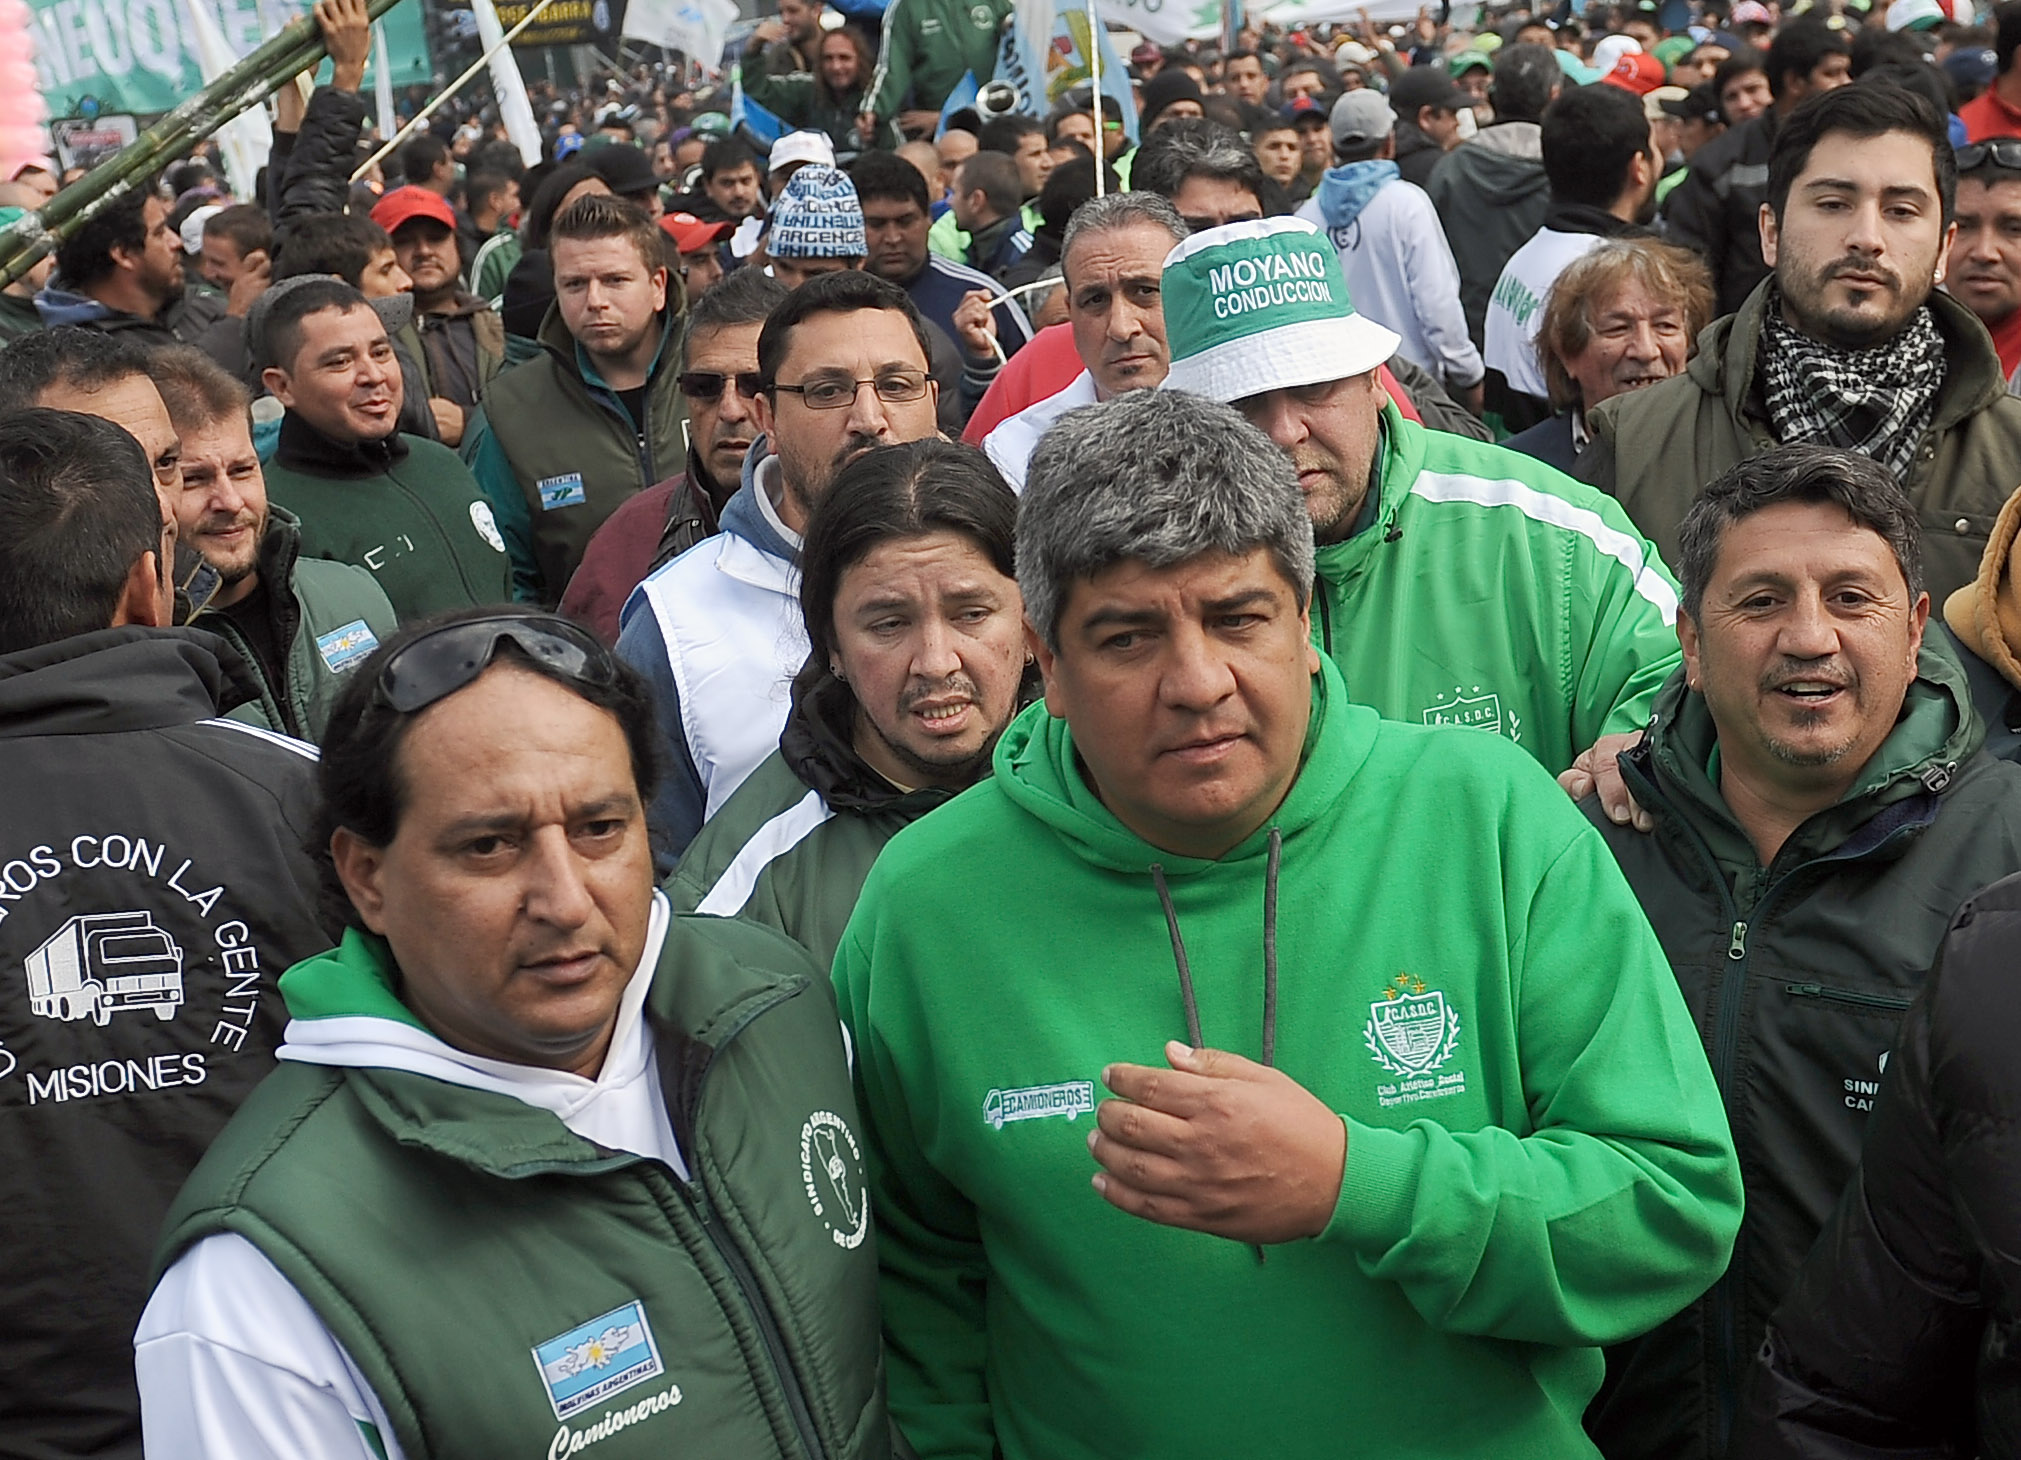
[(121, 679), (561, 345), (1729, 353), (744, 518), (1399, 459), (819, 746), (1585, 218), (303, 448), (1936, 733)]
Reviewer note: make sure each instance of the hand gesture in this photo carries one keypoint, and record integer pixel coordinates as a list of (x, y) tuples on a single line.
[(975, 325), (254, 275), (347, 31), (1219, 1144)]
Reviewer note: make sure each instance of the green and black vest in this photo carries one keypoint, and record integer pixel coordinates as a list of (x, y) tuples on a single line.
[(512, 1290)]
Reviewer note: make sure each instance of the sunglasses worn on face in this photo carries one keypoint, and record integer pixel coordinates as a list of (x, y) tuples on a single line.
[(447, 659), (709, 384)]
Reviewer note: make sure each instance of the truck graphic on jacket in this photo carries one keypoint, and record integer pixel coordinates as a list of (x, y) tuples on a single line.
[(100, 963)]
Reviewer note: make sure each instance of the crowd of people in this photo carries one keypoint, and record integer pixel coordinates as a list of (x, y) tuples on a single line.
[(1342, 780)]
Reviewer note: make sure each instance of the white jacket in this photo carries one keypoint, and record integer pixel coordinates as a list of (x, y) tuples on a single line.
[(1009, 447), (1516, 308), (1400, 273)]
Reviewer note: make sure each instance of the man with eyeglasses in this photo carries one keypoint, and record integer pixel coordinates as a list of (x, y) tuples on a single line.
[(564, 439), (515, 1187), (1986, 259), (842, 368), (719, 363)]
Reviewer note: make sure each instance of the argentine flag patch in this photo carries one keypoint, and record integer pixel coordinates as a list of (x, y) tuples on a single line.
[(597, 1359)]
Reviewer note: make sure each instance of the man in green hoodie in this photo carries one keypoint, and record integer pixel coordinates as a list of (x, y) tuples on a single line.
[(1821, 807), (1459, 583), (1438, 1125)]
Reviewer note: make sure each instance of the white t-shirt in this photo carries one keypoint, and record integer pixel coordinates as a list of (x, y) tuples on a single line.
[(1516, 308)]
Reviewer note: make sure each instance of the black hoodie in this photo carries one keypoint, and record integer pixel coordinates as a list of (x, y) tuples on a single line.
[(153, 887)]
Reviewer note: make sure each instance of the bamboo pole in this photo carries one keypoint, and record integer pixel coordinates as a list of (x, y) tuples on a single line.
[(455, 86), (297, 47)]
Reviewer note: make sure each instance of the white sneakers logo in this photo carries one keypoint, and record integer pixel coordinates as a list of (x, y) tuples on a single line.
[(831, 1168)]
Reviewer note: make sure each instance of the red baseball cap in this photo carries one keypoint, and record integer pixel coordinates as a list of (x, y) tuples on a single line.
[(1637, 71), (404, 205), (690, 233)]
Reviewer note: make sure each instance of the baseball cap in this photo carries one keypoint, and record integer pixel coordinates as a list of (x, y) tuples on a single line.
[(691, 234), (817, 216), (710, 124), (624, 169), (1750, 12), (1469, 60), (1972, 65), (1259, 306), (1611, 49), (1664, 103), (1361, 118), (193, 227), (1423, 86), (801, 147), (1635, 72), (1298, 110), (1915, 15), (405, 204)]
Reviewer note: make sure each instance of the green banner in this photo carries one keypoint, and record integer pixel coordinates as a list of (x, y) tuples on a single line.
[(141, 55)]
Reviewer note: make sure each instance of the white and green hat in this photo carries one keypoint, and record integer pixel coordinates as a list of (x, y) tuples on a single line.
[(1259, 306)]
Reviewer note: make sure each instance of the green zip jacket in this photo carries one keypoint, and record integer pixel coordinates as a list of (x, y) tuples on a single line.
[(330, 615), (1536, 1159), (928, 46), (557, 452), (1796, 975), (801, 99), (792, 845), (464, 1246), (1656, 448), (1493, 591), (405, 509)]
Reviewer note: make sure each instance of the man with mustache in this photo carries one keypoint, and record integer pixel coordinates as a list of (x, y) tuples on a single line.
[(302, 623), (1986, 259), (1847, 344), (842, 367), (1821, 804)]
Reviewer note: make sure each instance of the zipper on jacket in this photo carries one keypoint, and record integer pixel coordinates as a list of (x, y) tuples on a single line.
[(1325, 617), (1854, 997), (768, 1328), (276, 705), (1736, 947)]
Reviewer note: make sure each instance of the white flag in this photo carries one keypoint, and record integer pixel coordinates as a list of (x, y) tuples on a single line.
[(695, 28), (1164, 22), (246, 139), (507, 84)]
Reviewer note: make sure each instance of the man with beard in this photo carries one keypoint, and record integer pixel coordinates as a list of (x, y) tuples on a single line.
[(122, 270), (911, 603), (1603, 174), (842, 368), (462, 339), (566, 438), (1821, 806), (302, 623), (1847, 344), (718, 379)]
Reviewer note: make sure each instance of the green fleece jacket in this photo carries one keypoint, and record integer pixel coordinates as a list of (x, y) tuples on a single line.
[(928, 46), (1491, 590), (1537, 1162)]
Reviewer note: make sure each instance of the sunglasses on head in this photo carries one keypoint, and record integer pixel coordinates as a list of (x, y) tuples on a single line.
[(709, 384), (444, 660), (2000, 151)]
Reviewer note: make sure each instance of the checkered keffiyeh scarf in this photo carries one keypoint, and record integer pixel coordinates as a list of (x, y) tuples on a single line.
[(1877, 402)]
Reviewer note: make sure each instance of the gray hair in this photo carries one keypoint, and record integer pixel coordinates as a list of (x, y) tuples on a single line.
[(1122, 210), (1195, 147), (1157, 477), (1867, 491)]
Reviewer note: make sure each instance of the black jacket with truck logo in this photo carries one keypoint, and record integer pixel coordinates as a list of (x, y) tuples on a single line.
[(153, 887)]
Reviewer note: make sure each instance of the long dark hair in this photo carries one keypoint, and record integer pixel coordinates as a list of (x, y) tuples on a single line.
[(890, 493)]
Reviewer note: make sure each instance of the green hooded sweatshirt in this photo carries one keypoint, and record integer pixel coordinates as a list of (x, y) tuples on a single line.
[(1490, 590), (1536, 1158)]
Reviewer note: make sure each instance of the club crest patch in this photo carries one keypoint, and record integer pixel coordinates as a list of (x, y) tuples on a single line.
[(1412, 1031), (598, 1359), (831, 1168)]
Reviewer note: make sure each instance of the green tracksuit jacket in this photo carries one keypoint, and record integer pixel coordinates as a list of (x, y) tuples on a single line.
[(1491, 590), (928, 46), (330, 615), (446, 1234), (1537, 1162)]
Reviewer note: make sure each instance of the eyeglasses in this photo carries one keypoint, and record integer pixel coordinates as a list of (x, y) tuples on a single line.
[(2000, 151), (708, 384), (894, 387), (447, 659)]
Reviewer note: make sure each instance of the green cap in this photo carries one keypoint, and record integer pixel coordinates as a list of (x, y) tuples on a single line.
[(1262, 305)]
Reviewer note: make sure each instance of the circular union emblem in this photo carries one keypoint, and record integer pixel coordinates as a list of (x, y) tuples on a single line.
[(982, 16), (831, 1168)]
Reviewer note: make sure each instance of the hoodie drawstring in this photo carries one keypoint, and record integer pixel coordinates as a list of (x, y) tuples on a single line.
[(1193, 1039)]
